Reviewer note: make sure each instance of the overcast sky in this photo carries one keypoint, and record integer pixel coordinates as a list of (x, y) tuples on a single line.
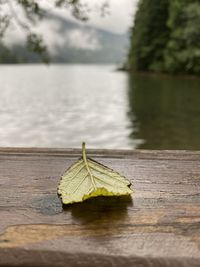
[(120, 18)]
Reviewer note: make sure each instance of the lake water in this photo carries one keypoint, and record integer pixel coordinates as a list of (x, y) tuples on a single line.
[(63, 105)]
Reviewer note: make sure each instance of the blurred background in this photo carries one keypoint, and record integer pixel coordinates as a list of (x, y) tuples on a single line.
[(119, 74)]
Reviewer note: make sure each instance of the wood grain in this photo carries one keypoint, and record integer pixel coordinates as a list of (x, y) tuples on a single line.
[(159, 225)]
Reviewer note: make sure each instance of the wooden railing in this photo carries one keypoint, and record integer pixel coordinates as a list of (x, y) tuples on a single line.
[(159, 225)]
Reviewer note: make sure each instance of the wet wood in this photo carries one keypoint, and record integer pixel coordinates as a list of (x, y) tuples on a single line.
[(158, 226)]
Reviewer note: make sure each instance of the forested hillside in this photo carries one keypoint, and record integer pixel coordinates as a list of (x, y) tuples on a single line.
[(166, 37), (72, 42)]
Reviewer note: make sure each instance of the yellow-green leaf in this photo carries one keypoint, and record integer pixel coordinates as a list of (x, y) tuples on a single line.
[(87, 178)]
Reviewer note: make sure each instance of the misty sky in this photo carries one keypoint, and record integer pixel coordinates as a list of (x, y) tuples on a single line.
[(120, 18)]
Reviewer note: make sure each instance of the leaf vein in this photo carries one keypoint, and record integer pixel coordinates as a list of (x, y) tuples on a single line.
[(74, 175), (111, 175), (80, 183)]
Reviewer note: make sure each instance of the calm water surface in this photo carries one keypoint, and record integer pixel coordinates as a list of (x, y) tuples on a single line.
[(62, 105), (165, 112)]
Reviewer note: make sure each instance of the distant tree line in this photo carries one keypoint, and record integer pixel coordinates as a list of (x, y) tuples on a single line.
[(166, 37)]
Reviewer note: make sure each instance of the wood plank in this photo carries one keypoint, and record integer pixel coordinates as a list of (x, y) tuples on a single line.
[(158, 226)]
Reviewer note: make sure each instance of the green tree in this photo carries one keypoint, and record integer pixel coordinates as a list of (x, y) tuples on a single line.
[(149, 35), (166, 37), (182, 52)]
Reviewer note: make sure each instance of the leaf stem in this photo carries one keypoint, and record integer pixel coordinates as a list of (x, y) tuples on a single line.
[(86, 165), (84, 152)]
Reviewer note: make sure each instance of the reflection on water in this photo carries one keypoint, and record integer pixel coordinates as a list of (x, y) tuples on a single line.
[(166, 111), (62, 105)]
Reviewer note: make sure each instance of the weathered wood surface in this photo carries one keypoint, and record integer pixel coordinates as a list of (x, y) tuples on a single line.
[(158, 226)]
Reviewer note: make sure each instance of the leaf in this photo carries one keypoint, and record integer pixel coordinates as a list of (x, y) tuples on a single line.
[(87, 178)]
